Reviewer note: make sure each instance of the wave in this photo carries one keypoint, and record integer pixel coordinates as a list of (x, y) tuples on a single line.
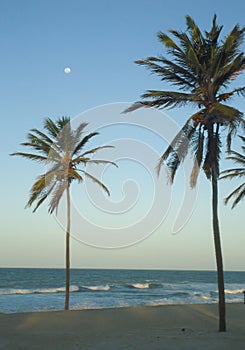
[(140, 285), (37, 291), (97, 288), (235, 291), (205, 297), (229, 291), (73, 289)]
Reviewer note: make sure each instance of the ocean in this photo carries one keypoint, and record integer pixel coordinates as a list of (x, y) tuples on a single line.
[(26, 290)]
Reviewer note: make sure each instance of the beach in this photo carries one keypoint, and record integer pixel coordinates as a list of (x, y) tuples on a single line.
[(170, 327)]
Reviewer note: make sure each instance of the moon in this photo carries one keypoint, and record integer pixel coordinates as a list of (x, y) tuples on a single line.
[(67, 70)]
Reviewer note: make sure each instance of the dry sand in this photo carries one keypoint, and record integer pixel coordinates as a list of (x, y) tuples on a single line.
[(175, 327)]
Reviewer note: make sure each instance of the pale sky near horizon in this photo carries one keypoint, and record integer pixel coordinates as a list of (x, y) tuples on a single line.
[(99, 41)]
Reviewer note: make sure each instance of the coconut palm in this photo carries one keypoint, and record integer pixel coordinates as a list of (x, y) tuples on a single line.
[(201, 67), (60, 148), (235, 173)]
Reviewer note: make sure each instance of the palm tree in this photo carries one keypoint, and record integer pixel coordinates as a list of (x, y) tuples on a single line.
[(201, 67), (239, 172), (61, 149)]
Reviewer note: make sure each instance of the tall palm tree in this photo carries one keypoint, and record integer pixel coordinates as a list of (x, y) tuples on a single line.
[(239, 172), (201, 66), (61, 150)]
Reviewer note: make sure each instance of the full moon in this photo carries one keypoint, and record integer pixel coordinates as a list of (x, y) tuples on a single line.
[(67, 70)]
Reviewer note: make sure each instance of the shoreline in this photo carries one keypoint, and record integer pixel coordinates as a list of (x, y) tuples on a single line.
[(174, 327), (146, 306)]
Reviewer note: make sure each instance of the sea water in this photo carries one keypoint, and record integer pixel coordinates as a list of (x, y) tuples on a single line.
[(25, 290)]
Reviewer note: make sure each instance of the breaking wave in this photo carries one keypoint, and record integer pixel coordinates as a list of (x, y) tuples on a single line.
[(95, 288), (37, 291), (140, 285)]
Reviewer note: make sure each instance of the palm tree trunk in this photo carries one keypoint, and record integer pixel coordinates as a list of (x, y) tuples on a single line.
[(67, 296), (218, 253)]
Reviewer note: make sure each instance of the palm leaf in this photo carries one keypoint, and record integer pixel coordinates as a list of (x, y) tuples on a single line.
[(198, 147), (168, 99), (177, 150), (97, 181), (233, 173), (30, 156), (43, 136), (51, 127), (238, 193), (57, 194), (92, 151), (238, 172), (83, 142)]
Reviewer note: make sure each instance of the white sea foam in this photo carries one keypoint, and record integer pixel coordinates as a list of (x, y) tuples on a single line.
[(141, 285), (103, 288), (235, 291), (37, 291), (15, 291), (160, 302)]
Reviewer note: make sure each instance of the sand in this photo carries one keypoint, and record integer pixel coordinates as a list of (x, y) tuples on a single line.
[(170, 327)]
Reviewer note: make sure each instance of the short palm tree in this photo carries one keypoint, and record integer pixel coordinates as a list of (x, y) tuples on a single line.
[(61, 150), (235, 173), (201, 66)]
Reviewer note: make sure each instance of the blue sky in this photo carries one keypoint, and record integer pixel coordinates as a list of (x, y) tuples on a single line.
[(100, 40)]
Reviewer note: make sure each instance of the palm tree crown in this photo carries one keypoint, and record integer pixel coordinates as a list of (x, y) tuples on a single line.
[(239, 172), (60, 149), (203, 67)]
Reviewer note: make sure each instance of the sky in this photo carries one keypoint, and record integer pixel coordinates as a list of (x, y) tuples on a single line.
[(145, 223)]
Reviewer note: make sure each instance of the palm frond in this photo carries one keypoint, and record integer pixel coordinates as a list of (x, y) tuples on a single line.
[(134, 107), (73, 174), (227, 95), (43, 136), (51, 127), (177, 150), (215, 31), (37, 190), (226, 74), (95, 180), (65, 139), (30, 156), (225, 115), (83, 142), (238, 193), (101, 161), (169, 42), (37, 143), (40, 191), (237, 157), (168, 72), (233, 173), (197, 143), (239, 172), (93, 150), (168, 99), (62, 122), (44, 196), (42, 146), (194, 30), (57, 195), (78, 133), (185, 77)]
